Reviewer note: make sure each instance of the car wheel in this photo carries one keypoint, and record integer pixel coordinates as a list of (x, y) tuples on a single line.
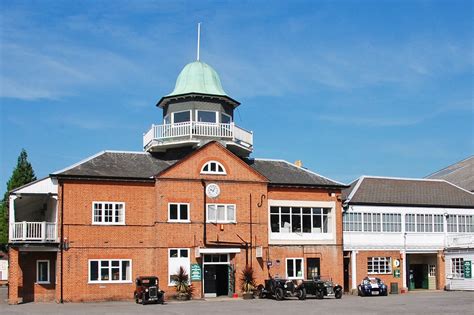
[(319, 295), (338, 294), (279, 295), (143, 300), (260, 293), (302, 294)]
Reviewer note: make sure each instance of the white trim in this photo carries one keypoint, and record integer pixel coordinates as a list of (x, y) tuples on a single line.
[(188, 267), (89, 281), (294, 268), (459, 187), (181, 111), (219, 251), (188, 220), (227, 262), (356, 187), (220, 118), (216, 113), (48, 272), (217, 168), (114, 203), (226, 205)]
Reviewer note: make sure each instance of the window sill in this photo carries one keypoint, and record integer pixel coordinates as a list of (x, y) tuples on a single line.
[(221, 222), (109, 224), (110, 282), (42, 282), (179, 221)]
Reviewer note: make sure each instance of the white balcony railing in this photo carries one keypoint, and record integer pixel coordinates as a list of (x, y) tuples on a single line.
[(170, 132), (33, 231)]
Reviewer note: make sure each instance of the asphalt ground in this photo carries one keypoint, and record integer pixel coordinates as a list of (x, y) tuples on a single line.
[(438, 302)]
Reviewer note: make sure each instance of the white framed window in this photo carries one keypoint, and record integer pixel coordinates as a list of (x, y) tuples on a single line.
[(177, 257), (300, 220), (352, 222), (392, 222), (438, 223), (181, 117), (432, 270), (410, 223), (294, 268), (42, 272), (214, 168), (452, 221), (372, 222), (206, 116), (108, 213), (220, 213), (379, 265), (178, 212), (110, 271), (457, 267), (216, 258), (225, 119)]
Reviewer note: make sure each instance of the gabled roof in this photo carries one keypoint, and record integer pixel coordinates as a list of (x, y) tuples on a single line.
[(280, 172), (460, 174), (371, 190), (144, 166)]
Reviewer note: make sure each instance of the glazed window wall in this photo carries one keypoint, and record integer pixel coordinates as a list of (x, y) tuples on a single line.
[(300, 220)]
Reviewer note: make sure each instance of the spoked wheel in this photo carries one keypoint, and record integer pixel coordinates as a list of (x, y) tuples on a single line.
[(279, 295), (302, 294)]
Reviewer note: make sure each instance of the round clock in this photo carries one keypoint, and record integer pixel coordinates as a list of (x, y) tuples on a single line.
[(212, 190), (396, 263)]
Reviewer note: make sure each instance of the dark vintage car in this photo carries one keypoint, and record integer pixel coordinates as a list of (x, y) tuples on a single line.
[(372, 286), (322, 287), (281, 289), (147, 290)]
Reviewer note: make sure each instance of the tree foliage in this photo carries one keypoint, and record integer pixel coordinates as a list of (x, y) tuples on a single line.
[(22, 175)]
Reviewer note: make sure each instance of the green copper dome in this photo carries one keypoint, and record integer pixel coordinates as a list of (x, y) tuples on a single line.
[(198, 77)]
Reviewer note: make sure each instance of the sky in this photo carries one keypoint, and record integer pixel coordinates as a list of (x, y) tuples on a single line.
[(350, 88)]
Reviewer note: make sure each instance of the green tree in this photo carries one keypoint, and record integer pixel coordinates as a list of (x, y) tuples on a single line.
[(22, 175)]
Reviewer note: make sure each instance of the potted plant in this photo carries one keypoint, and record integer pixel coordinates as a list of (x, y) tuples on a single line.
[(183, 288), (248, 283)]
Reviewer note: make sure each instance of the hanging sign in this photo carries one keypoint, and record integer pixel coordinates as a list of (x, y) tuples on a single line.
[(396, 273), (195, 272), (467, 269)]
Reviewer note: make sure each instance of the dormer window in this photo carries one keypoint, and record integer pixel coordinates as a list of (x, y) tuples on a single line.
[(213, 167)]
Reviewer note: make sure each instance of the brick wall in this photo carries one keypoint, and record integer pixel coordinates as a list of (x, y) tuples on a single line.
[(362, 272)]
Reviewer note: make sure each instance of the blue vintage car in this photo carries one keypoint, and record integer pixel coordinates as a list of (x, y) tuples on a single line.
[(372, 286)]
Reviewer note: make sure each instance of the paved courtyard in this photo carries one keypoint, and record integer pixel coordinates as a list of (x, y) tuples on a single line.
[(413, 303)]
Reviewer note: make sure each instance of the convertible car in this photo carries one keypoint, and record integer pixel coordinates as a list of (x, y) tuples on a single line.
[(372, 286)]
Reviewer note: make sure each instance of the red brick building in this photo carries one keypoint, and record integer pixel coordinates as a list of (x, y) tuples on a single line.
[(194, 198)]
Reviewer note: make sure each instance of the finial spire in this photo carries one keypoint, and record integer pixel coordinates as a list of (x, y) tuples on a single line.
[(199, 40)]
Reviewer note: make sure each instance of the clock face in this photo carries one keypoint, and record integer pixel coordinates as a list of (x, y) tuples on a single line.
[(212, 190)]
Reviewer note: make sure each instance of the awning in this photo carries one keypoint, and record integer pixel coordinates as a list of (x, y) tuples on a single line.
[(218, 250)]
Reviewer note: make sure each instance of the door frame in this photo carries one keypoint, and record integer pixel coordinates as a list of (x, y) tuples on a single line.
[(211, 263)]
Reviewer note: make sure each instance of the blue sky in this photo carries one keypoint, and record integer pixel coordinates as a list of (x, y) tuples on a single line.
[(348, 87)]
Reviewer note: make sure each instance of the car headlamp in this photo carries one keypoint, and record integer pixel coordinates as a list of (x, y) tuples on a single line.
[(146, 290)]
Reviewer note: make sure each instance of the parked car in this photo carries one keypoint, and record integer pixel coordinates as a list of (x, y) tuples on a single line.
[(281, 289), (372, 286), (147, 290), (322, 287)]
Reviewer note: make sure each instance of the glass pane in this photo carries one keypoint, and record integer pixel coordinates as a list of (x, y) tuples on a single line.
[(296, 223), (274, 209), (207, 258), (173, 212), (104, 274), (306, 210), (183, 212), (116, 274), (183, 253), (94, 271), (213, 167), (181, 117), (275, 223), (173, 253), (220, 213), (317, 224), (126, 270), (167, 119), (225, 119), (206, 116), (285, 210), (223, 258), (230, 213), (115, 263), (290, 268), (306, 223), (299, 269), (211, 213), (104, 263), (285, 223)]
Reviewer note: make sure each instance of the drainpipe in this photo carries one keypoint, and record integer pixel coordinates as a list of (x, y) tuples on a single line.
[(251, 232), (204, 237), (61, 244)]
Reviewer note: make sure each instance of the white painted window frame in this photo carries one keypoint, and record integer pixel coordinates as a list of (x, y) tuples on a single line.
[(216, 113), (208, 163), (457, 264), (179, 220), (171, 283), (113, 213), (181, 111), (224, 114), (48, 273), (294, 268), (321, 215), (226, 220), (387, 262), (110, 273)]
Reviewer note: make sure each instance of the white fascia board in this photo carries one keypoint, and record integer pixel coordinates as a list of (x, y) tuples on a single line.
[(45, 185)]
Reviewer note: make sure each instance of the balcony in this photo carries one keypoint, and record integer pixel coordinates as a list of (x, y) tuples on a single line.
[(33, 232), (192, 132)]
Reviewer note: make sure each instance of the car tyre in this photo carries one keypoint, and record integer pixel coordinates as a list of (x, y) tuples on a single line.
[(260, 293), (143, 299), (279, 294), (302, 294), (319, 295), (338, 295)]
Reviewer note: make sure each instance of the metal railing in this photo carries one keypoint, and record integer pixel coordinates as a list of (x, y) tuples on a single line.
[(33, 231), (169, 132)]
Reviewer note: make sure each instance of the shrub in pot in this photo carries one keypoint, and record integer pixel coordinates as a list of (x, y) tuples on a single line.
[(248, 282), (183, 287)]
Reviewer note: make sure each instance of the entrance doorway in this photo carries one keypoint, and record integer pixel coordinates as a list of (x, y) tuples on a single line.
[(216, 275), (420, 275), (312, 268), (347, 263)]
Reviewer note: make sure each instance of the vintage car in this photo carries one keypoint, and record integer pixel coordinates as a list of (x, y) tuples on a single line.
[(322, 287), (281, 289), (147, 290), (372, 286)]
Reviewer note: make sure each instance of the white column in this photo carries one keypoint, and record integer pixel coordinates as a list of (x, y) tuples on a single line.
[(354, 269), (11, 215), (404, 268)]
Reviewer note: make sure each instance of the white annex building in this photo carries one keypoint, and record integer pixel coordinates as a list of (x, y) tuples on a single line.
[(404, 231)]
